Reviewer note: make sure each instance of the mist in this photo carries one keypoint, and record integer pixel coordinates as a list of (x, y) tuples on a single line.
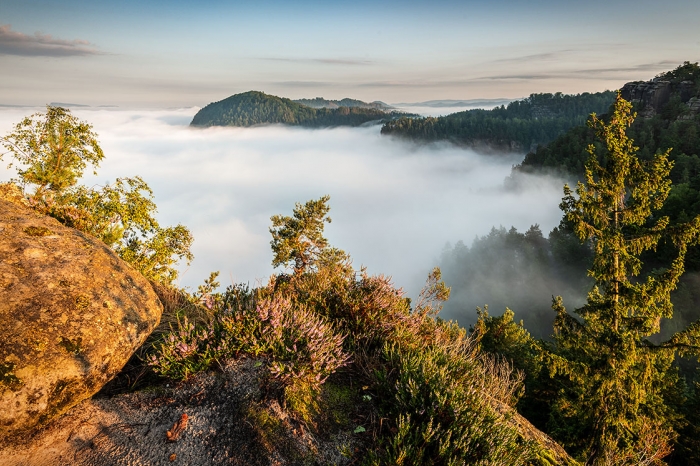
[(394, 205)]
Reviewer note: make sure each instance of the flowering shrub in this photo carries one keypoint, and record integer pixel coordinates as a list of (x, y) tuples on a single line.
[(428, 396), (301, 343), (303, 347), (184, 351)]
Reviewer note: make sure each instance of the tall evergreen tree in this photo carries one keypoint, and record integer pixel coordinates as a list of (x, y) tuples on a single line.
[(614, 408)]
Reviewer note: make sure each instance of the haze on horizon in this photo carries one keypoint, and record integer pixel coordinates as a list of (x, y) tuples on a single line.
[(150, 53)]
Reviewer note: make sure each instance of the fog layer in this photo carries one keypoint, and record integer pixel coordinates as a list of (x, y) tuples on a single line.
[(394, 205)]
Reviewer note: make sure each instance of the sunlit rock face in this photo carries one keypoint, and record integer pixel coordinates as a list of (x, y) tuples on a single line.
[(71, 314)]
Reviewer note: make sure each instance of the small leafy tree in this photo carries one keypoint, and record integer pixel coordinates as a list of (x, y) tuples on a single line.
[(298, 240), (51, 151), (613, 407)]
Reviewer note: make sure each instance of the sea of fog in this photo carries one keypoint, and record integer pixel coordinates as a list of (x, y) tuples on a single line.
[(394, 205)]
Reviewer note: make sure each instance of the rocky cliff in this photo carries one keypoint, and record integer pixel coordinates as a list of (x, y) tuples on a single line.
[(652, 97)]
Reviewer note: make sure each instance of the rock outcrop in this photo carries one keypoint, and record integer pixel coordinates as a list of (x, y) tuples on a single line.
[(71, 312), (654, 95)]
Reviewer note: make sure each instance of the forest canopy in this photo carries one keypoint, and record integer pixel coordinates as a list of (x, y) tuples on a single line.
[(257, 108), (520, 126)]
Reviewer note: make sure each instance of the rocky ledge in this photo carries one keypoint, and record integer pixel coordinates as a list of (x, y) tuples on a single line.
[(72, 314)]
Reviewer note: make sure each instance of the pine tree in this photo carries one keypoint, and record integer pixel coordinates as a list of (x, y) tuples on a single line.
[(612, 408)]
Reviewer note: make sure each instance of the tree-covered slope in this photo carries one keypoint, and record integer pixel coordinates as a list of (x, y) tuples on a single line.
[(520, 126), (257, 108), (669, 118)]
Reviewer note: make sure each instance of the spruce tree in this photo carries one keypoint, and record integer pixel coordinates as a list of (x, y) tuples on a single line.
[(612, 408)]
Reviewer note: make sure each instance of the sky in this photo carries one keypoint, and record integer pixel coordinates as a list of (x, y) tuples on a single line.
[(162, 54)]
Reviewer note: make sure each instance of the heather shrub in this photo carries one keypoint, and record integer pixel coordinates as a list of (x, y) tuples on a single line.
[(303, 348), (424, 391), (185, 350), (444, 405)]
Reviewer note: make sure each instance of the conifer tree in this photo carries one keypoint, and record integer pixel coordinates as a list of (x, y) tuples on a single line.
[(612, 408)]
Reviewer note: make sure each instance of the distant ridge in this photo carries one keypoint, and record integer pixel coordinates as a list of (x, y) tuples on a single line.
[(320, 102), (458, 103), (257, 108), (65, 104)]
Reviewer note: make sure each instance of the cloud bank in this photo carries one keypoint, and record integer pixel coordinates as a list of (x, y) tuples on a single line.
[(41, 45), (394, 205)]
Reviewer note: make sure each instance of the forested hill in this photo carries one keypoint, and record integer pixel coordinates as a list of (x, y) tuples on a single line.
[(256, 108), (668, 108), (668, 117), (520, 126)]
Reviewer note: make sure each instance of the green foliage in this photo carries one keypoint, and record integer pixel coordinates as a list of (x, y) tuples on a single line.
[(612, 409), (184, 351), (427, 394), (670, 127), (504, 338), (51, 152), (533, 121), (299, 239), (442, 414), (320, 102), (686, 72), (256, 108)]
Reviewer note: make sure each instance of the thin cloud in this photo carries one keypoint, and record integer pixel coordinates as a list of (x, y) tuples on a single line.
[(665, 64), (304, 84), (323, 61), (534, 57), (525, 77), (41, 45), (591, 73)]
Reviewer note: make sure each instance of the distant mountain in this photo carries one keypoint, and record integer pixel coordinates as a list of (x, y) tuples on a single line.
[(520, 126), (257, 108), (65, 104), (457, 103), (320, 102)]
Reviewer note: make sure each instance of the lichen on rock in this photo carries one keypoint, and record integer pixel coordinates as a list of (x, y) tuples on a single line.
[(72, 314)]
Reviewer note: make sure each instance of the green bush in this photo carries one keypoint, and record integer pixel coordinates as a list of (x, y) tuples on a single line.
[(51, 151)]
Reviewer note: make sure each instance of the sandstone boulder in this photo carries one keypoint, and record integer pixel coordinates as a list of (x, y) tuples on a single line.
[(71, 314)]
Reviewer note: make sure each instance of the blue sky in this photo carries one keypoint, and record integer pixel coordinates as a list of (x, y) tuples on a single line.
[(181, 53)]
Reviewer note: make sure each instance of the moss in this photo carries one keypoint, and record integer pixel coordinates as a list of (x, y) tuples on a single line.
[(60, 399), (275, 435), (301, 398), (38, 231), (338, 403), (73, 347), (82, 302), (8, 379)]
